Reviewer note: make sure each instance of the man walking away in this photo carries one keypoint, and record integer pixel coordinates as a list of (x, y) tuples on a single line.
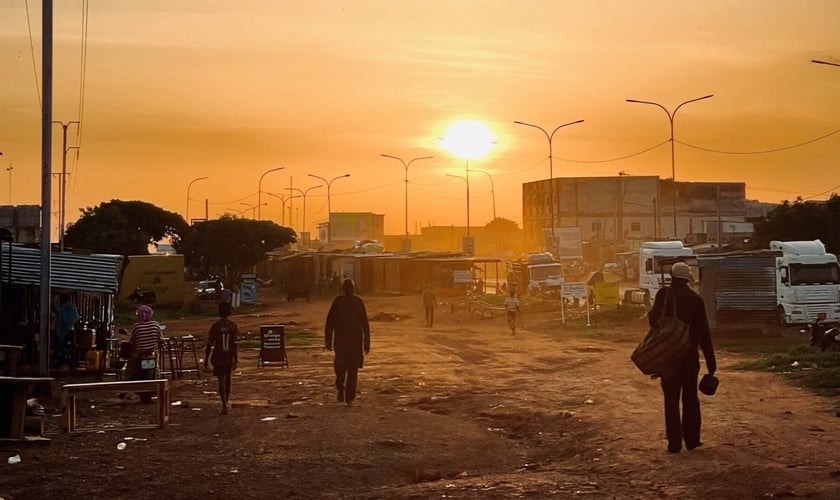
[(429, 303), (222, 340), (348, 331), (682, 380)]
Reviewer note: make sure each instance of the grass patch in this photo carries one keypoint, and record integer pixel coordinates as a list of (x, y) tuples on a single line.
[(804, 365)]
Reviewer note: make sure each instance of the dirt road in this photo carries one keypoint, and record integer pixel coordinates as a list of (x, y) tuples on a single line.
[(463, 410)]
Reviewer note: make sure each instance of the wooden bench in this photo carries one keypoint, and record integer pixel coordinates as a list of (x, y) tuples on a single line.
[(13, 394), (158, 386)]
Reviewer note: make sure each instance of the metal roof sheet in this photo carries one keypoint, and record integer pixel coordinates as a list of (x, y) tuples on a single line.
[(89, 273)]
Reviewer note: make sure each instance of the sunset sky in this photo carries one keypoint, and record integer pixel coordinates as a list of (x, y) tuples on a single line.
[(179, 89)]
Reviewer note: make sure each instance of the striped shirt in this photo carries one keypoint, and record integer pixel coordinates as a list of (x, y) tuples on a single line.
[(146, 336)]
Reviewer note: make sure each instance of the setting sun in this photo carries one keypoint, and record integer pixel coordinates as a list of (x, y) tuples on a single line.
[(468, 139)]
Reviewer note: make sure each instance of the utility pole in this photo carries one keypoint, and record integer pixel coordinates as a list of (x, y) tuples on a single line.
[(9, 169), (63, 181), (46, 172)]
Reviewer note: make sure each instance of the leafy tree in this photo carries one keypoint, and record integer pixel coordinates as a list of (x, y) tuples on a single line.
[(124, 228), (230, 245), (501, 224), (801, 220)]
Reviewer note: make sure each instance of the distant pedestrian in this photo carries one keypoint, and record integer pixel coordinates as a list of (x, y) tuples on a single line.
[(66, 317), (681, 383), (222, 339), (513, 310), (429, 304), (348, 331)]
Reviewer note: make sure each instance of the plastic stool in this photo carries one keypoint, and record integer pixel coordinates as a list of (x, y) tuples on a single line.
[(188, 345)]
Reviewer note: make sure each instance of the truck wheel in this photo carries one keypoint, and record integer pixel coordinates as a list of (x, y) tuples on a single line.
[(780, 317)]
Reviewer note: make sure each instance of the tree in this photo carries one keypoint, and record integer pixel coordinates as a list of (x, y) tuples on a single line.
[(125, 228), (231, 245), (801, 220), (501, 224)]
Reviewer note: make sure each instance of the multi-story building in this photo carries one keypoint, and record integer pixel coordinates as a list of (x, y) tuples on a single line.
[(623, 209), (350, 227)]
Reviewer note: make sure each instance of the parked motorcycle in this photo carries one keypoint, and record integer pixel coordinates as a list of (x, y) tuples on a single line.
[(143, 296), (823, 335), (140, 367)]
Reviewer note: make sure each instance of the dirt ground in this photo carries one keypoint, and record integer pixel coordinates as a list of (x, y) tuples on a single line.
[(462, 410)]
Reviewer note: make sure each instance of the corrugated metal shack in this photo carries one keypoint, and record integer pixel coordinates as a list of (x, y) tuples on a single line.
[(739, 289), (91, 281)]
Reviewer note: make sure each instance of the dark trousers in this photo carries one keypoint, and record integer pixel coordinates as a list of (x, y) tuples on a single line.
[(345, 381), (682, 385), (430, 316)]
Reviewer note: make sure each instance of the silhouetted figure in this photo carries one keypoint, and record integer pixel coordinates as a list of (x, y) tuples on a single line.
[(429, 303), (347, 329)]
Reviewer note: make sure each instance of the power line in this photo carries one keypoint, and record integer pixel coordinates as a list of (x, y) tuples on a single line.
[(764, 151), (617, 158), (32, 51), (82, 84), (832, 190)]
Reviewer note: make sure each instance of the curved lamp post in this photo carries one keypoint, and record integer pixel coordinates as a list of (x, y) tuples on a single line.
[(303, 193), (259, 189), (329, 209), (550, 138), (671, 115), (467, 181), (253, 208), (406, 165), (188, 196), (493, 197), (817, 61), (283, 199)]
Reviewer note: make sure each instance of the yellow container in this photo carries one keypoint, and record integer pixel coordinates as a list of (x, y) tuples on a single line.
[(92, 358)]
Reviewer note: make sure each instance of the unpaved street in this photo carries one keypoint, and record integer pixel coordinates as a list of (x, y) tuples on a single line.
[(464, 410)]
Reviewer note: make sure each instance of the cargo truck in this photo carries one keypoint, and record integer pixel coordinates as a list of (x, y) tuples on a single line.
[(807, 283)]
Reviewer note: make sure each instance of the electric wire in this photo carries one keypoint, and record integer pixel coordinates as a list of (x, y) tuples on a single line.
[(832, 190), (32, 51), (763, 151), (82, 87), (666, 141)]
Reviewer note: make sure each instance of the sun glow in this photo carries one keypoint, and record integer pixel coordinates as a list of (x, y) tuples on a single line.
[(468, 139)]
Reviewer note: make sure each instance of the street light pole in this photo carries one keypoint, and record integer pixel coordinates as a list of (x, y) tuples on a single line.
[(188, 196), (406, 165), (550, 138), (671, 115), (283, 200), (9, 169), (252, 207), (817, 61), (493, 196), (63, 184), (329, 209), (303, 193), (467, 181), (259, 190)]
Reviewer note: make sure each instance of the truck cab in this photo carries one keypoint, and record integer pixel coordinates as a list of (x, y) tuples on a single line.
[(807, 283), (655, 261), (536, 273)]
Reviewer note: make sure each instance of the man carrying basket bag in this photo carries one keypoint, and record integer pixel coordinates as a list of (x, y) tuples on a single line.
[(680, 312)]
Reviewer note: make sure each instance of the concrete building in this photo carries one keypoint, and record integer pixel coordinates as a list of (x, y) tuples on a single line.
[(350, 227), (624, 209)]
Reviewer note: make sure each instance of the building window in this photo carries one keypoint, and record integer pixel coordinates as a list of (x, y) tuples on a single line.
[(636, 226)]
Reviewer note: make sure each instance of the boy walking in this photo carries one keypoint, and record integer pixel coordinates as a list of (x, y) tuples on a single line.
[(222, 340)]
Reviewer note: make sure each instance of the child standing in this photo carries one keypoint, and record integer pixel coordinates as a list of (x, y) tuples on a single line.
[(222, 340)]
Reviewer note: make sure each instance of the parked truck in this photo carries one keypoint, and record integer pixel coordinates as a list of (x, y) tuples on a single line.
[(655, 261), (535, 273), (807, 283)]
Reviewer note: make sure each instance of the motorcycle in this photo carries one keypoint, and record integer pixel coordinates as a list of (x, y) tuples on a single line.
[(142, 367), (822, 335), (143, 296)]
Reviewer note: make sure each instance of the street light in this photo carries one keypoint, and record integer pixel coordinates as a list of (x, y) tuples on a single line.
[(253, 208), (493, 196), (467, 181), (188, 196), (817, 61), (671, 115), (303, 193), (259, 189), (406, 165), (329, 210), (283, 199), (9, 169), (550, 138)]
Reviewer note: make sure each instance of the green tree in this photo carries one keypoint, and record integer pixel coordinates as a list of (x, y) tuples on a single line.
[(801, 220), (124, 228), (231, 245)]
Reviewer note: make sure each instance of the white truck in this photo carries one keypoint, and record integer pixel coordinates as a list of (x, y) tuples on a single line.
[(655, 261), (535, 273), (807, 283)]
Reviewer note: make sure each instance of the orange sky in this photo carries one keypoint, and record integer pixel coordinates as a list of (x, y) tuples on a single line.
[(181, 89)]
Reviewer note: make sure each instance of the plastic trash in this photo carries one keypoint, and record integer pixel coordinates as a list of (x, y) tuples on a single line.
[(268, 419), (176, 403), (589, 402), (795, 364), (121, 446), (14, 459)]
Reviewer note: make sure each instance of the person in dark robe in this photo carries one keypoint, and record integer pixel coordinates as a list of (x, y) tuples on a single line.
[(347, 331)]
